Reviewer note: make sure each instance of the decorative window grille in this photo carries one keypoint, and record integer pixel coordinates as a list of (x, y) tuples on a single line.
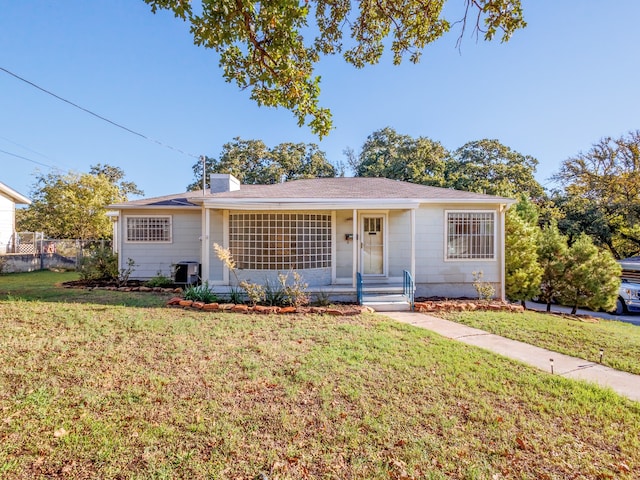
[(280, 241), (153, 229), (471, 235)]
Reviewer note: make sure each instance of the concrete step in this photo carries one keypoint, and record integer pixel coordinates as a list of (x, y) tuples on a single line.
[(386, 302)]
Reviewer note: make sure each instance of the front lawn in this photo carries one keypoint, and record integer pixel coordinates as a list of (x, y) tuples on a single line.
[(91, 390), (565, 334)]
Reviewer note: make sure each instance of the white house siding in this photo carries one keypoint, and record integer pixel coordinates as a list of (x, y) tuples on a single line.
[(435, 276), (216, 235), (344, 247), (153, 258), (7, 222), (398, 242)]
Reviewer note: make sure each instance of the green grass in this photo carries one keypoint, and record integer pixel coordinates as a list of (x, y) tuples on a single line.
[(95, 390), (45, 285), (565, 334)]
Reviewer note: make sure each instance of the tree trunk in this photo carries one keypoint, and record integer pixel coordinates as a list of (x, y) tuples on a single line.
[(574, 310), (524, 304), (548, 307)]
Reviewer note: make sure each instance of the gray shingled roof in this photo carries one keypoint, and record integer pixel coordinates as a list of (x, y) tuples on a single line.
[(325, 188)]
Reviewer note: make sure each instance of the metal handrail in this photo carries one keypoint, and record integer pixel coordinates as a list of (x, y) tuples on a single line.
[(359, 287), (408, 287)]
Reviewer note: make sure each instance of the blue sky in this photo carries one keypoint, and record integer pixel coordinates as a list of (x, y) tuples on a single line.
[(567, 80)]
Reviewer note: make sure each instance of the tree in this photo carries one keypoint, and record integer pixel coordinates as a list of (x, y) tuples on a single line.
[(487, 166), (552, 254), (262, 47), (591, 277), (73, 205), (389, 154), (252, 162), (523, 273), (602, 194)]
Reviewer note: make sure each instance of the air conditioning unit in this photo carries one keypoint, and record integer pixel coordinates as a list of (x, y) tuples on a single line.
[(186, 273)]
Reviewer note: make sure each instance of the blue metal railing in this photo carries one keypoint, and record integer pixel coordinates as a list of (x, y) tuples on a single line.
[(408, 287), (359, 287)]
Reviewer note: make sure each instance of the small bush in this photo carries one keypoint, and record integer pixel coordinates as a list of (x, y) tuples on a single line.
[(99, 263), (485, 290), (200, 293), (160, 280)]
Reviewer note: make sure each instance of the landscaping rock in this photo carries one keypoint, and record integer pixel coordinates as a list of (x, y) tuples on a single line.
[(240, 308), (185, 303), (174, 301), (211, 307), (198, 305)]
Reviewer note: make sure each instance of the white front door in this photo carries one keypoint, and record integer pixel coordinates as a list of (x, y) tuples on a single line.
[(372, 245)]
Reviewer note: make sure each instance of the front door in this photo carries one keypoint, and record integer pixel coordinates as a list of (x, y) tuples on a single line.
[(372, 245)]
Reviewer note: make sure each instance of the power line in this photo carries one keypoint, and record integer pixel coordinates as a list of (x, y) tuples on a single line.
[(133, 132), (28, 159)]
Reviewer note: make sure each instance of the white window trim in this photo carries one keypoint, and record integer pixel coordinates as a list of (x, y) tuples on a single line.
[(494, 258), (125, 235)]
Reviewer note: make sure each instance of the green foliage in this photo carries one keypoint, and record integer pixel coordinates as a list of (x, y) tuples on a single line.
[(251, 162), (200, 293), (522, 271), (388, 154), (267, 48), (159, 280), (487, 166), (485, 290), (74, 205), (602, 194), (255, 293), (552, 253), (591, 277), (99, 263)]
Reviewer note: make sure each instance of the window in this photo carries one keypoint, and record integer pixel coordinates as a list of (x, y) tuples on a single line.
[(148, 229), (280, 241), (470, 235)]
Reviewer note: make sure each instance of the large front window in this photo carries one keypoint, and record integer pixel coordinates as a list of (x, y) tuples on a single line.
[(280, 241), (470, 235), (148, 229)]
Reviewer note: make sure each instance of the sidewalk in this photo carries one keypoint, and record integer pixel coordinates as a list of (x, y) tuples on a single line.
[(623, 383)]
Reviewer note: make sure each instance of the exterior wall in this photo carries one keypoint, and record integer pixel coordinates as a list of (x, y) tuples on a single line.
[(399, 242), (313, 277), (7, 222), (150, 257), (216, 235), (436, 276), (344, 247)]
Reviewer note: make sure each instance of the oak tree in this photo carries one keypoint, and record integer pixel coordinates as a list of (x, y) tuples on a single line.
[(252, 162), (389, 154), (273, 47), (73, 205)]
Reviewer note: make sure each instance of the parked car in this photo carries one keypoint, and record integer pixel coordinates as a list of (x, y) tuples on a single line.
[(628, 298)]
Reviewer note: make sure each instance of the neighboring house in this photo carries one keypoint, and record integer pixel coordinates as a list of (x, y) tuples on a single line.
[(327, 229), (8, 200)]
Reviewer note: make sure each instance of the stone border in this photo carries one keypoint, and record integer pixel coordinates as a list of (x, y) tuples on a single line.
[(178, 302), (444, 306)]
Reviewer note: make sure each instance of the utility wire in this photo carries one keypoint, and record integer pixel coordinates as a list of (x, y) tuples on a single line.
[(133, 132), (29, 160)]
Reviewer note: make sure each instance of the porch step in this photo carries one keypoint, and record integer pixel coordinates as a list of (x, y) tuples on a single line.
[(387, 302)]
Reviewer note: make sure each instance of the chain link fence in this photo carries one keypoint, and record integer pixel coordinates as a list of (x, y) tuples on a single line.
[(33, 251)]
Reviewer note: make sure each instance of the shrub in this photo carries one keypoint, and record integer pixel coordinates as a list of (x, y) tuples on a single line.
[(200, 293), (485, 290), (99, 263), (160, 280)]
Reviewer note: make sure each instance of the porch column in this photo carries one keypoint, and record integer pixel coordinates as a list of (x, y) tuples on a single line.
[(205, 256), (356, 242), (413, 244), (503, 209)]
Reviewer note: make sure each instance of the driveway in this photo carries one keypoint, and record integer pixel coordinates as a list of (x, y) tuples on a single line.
[(632, 318)]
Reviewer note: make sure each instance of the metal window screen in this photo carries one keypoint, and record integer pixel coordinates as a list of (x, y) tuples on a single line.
[(470, 235)]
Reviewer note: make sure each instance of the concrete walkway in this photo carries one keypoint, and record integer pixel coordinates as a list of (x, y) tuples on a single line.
[(623, 383)]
